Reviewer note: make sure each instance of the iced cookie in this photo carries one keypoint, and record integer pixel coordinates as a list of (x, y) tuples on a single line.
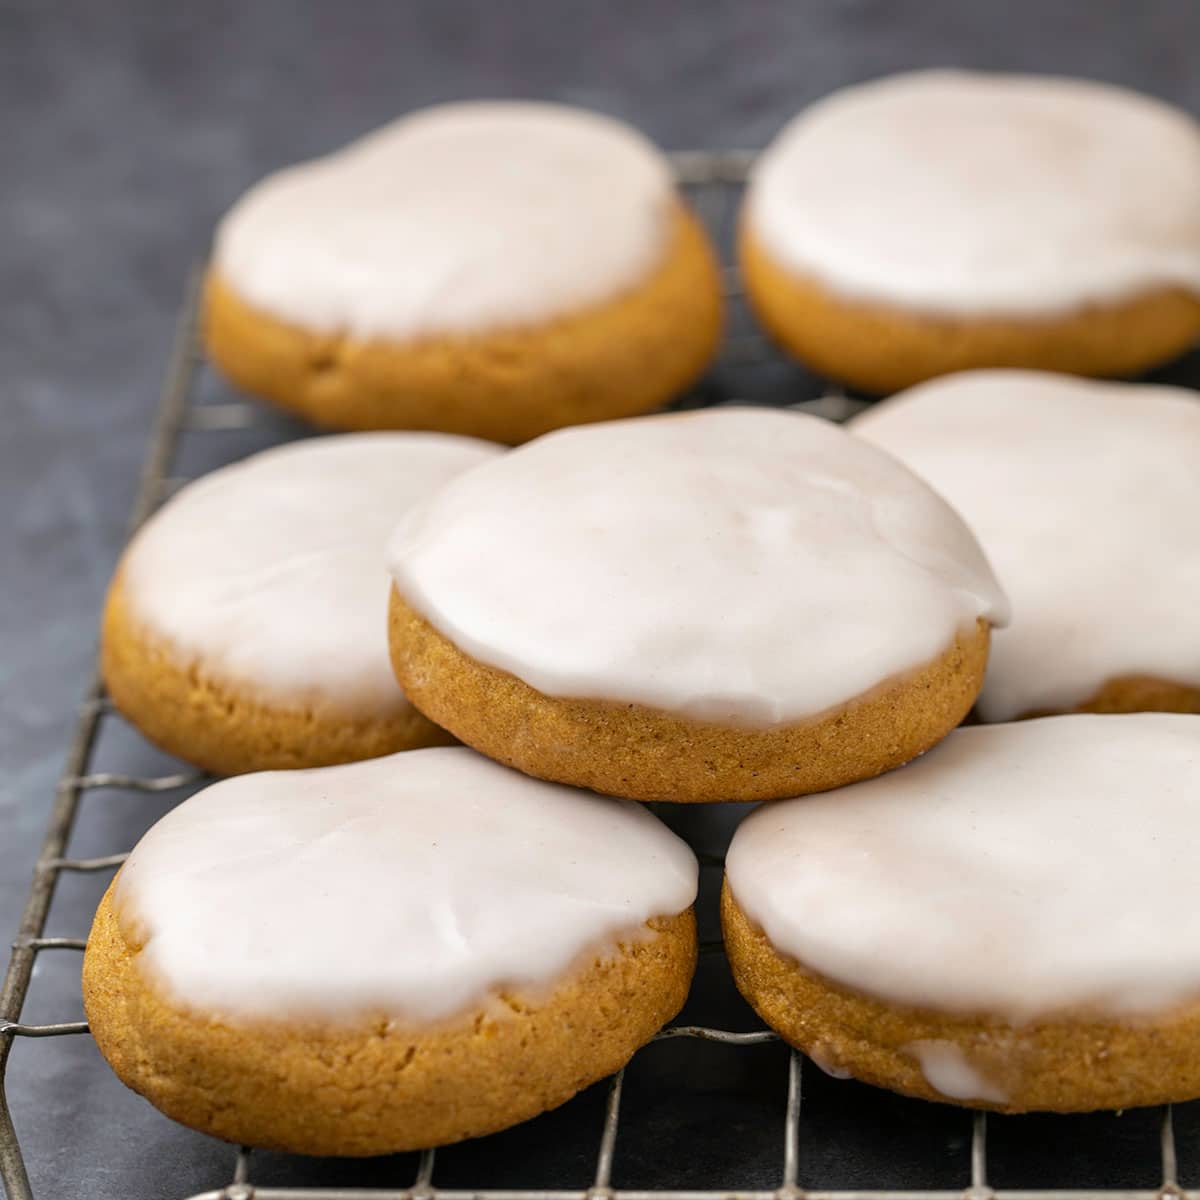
[(1011, 922), (1086, 498), (942, 220), (735, 604), (495, 269), (245, 627), (387, 955)]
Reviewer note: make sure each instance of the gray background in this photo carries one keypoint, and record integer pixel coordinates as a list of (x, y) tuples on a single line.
[(125, 130)]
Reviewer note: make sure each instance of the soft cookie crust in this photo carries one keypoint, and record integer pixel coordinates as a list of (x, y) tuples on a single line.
[(1134, 693), (378, 1087), (197, 717), (1069, 1063), (880, 349), (645, 754), (626, 356)]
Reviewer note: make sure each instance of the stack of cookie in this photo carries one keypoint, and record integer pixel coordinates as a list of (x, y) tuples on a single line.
[(379, 939)]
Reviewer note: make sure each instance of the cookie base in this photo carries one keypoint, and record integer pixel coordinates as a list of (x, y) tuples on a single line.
[(881, 349), (193, 715), (378, 1087), (645, 754), (1132, 694), (1068, 1063), (626, 356)]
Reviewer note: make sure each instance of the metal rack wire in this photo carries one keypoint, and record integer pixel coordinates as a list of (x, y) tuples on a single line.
[(713, 182)]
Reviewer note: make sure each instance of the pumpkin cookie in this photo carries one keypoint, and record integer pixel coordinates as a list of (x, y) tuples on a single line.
[(988, 926), (387, 955), (942, 220), (494, 269), (1086, 497), (244, 629), (735, 604)]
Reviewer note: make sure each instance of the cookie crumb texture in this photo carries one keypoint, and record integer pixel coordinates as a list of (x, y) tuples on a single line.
[(208, 722), (1068, 1063), (643, 753), (626, 356), (378, 1088), (880, 348)]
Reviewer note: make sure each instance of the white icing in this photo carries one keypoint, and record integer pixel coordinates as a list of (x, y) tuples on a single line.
[(947, 1070), (974, 194), (412, 886), (741, 565), (824, 1059), (1086, 498), (269, 573), (1015, 870), (453, 219)]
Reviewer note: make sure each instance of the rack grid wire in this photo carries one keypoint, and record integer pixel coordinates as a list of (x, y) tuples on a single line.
[(713, 182)]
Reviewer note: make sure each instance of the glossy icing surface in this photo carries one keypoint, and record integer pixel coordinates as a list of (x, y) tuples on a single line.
[(975, 194), (454, 219), (743, 566), (1086, 498), (269, 573), (1015, 871), (411, 887)]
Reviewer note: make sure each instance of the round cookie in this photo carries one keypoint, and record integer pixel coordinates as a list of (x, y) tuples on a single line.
[(735, 604), (1086, 498), (388, 955), (988, 926), (244, 629), (942, 220), (493, 269)]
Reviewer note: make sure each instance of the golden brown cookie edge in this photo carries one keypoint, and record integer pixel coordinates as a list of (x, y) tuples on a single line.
[(1132, 694), (626, 356), (645, 754), (882, 349), (1068, 1063), (191, 713), (377, 1087)]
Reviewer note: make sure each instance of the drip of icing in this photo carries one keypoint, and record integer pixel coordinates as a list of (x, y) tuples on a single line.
[(270, 572), (978, 194), (947, 1070), (458, 218), (823, 1058), (1086, 498), (1014, 870), (741, 566), (411, 886)]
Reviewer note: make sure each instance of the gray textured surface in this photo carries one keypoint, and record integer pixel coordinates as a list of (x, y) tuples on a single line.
[(125, 130)]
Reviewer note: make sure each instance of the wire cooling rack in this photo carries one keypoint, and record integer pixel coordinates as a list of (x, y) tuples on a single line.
[(747, 372)]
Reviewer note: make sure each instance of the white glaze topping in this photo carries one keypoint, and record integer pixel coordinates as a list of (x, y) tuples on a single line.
[(1086, 498), (826, 1061), (454, 219), (743, 566), (974, 194), (412, 886), (1015, 870), (269, 573), (948, 1070)]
